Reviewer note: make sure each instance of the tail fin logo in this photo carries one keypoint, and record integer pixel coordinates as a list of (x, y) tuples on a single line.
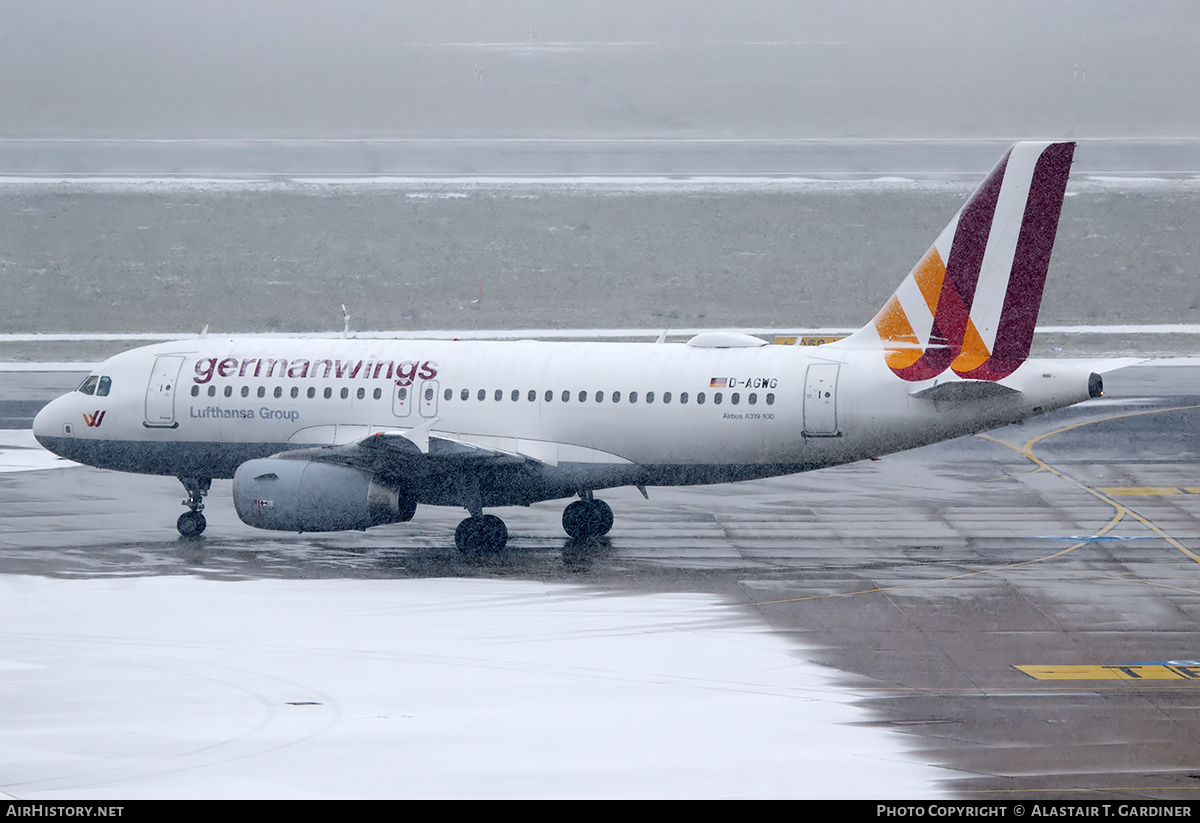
[(93, 420), (972, 301)]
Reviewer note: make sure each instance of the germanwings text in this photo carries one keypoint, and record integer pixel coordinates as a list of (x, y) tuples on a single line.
[(403, 373)]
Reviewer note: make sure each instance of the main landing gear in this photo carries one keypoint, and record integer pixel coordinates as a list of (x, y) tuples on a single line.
[(192, 523), (486, 533), (482, 534), (587, 517)]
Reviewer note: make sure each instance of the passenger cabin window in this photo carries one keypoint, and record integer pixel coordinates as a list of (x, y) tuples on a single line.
[(92, 383)]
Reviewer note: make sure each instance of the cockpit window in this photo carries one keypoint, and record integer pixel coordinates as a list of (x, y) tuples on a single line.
[(103, 387), (88, 386)]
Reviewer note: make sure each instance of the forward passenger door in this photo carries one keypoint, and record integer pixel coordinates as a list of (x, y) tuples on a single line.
[(160, 393)]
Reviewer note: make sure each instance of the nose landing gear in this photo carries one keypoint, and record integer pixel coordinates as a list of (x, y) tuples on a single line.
[(191, 523)]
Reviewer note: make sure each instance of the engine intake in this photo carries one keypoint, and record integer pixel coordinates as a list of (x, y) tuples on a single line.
[(305, 496)]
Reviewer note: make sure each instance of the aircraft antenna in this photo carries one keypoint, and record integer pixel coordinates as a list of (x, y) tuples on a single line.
[(346, 320)]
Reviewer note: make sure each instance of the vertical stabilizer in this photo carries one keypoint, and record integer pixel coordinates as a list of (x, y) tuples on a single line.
[(972, 301)]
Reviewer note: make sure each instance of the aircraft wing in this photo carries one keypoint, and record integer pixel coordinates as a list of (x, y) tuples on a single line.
[(397, 453), (390, 451), (437, 466)]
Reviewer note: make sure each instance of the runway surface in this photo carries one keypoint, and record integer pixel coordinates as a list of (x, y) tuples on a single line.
[(1015, 614)]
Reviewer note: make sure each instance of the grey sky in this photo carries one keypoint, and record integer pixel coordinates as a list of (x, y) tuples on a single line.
[(622, 68)]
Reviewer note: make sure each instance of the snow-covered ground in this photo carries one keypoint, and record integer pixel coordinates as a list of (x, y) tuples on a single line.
[(169, 687), (19, 452)]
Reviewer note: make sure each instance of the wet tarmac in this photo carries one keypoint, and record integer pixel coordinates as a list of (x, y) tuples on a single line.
[(939, 584)]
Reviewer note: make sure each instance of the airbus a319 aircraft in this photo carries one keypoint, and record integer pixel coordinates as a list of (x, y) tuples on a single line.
[(326, 435)]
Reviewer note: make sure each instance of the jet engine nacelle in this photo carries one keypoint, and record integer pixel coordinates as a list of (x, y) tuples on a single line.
[(305, 496)]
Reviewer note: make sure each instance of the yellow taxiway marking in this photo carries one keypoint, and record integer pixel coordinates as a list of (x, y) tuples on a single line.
[(1027, 450), (1146, 491), (1129, 671)]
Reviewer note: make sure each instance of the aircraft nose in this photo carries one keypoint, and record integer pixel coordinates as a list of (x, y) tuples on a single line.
[(50, 423)]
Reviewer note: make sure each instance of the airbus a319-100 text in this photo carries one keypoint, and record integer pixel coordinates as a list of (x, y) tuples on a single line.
[(325, 435)]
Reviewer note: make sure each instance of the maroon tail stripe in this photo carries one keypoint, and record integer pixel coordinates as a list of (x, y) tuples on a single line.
[(1014, 334), (962, 273)]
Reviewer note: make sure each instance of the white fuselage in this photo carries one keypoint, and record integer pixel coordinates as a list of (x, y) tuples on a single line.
[(637, 413)]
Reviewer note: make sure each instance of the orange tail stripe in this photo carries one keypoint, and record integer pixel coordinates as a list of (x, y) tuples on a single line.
[(974, 351), (929, 274), (894, 328)]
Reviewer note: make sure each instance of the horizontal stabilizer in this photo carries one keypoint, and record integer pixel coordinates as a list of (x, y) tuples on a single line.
[(963, 391)]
